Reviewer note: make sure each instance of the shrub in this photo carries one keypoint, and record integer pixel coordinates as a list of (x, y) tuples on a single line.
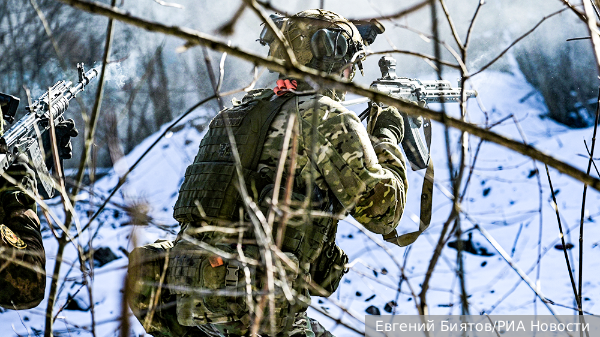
[(567, 78)]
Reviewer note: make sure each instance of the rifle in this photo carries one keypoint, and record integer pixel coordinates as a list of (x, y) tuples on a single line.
[(414, 90), (25, 136), (417, 153)]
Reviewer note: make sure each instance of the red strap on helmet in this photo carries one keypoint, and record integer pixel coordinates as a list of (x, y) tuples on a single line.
[(285, 86)]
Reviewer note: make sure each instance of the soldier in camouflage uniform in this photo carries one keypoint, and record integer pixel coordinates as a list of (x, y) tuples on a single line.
[(22, 256), (210, 286)]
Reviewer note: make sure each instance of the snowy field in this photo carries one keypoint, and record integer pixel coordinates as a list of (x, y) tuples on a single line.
[(503, 197)]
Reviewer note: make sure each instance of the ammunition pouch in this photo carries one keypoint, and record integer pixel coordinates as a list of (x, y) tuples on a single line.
[(216, 288), (329, 268), (150, 301)]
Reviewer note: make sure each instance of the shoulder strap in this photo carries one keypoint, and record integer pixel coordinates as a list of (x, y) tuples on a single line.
[(272, 107)]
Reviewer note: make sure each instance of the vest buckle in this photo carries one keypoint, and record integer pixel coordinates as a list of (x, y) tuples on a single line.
[(231, 278)]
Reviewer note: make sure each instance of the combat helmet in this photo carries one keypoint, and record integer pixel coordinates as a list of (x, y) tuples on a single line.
[(322, 39)]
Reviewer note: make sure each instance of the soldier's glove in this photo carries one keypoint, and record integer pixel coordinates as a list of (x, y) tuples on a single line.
[(64, 131), (389, 125)]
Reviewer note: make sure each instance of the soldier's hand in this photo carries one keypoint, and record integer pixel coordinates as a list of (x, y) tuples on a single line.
[(389, 125), (64, 131)]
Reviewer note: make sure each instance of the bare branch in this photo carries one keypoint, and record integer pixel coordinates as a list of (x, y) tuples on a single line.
[(432, 262), (228, 27), (123, 179), (304, 72), (468, 38), (408, 52), (69, 215), (399, 14), (581, 16), (289, 54), (169, 4), (515, 42), (404, 12), (451, 23), (582, 216), (427, 37), (516, 268), (211, 75), (562, 238), (592, 28)]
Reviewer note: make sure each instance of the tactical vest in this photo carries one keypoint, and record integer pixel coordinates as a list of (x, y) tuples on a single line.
[(210, 182)]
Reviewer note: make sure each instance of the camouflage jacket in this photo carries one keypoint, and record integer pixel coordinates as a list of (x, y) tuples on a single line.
[(366, 176), (22, 256)]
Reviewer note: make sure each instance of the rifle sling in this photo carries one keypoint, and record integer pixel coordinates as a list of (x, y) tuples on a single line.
[(426, 199)]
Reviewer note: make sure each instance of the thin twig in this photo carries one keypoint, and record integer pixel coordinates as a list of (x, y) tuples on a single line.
[(512, 251), (540, 204), (540, 224), (432, 262), (289, 53), (516, 268), (123, 179), (289, 185), (562, 238), (580, 15), (336, 320), (89, 140), (452, 27), (211, 76), (471, 25), (408, 52), (228, 27), (394, 259), (21, 318), (464, 141), (592, 25), (169, 4), (280, 166), (69, 212), (591, 160), (398, 14), (514, 43), (437, 41)]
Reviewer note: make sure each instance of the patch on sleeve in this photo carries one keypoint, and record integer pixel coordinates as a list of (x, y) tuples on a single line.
[(11, 238)]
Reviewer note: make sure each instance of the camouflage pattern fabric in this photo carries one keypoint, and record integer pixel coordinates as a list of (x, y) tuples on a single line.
[(153, 306), (366, 175), (22, 256)]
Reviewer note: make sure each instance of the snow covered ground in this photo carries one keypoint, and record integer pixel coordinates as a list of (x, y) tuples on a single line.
[(503, 197)]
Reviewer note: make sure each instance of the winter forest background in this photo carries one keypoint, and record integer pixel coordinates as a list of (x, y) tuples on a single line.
[(537, 86)]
